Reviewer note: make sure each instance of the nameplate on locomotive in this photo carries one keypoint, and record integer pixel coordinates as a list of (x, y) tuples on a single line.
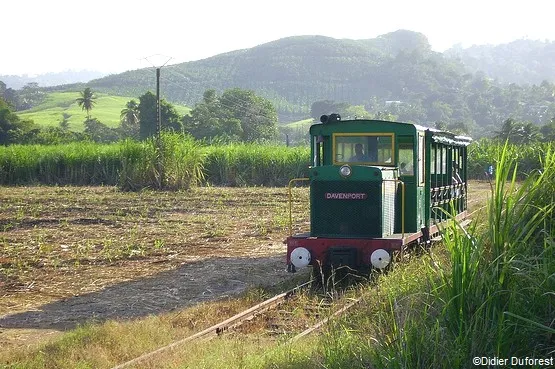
[(346, 196)]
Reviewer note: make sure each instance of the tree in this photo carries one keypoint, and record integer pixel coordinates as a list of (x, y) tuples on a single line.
[(236, 115), (64, 123), (86, 101), (209, 120), (56, 136), (257, 116), (13, 129), (508, 130), (99, 132), (129, 120), (356, 111), (318, 108), (148, 116), (548, 130), (171, 119), (518, 133), (30, 95)]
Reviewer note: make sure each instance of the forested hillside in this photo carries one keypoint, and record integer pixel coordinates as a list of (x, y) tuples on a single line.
[(396, 76), (520, 61)]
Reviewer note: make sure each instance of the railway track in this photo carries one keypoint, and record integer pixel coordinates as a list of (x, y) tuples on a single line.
[(290, 318)]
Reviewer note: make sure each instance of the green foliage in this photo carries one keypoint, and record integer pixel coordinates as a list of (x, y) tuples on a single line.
[(522, 61), (491, 297), (57, 136), (60, 106), (148, 116), (484, 152), (30, 95), (86, 101), (399, 67), (130, 120), (548, 130), (81, 163), (254, 165), (13, 129), (99, 132), (182, 163), (319, 108), (132, 165), (518, 133), (235, 115)]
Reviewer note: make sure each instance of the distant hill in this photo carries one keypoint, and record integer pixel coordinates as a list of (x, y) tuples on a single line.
[(396, 73), (520, 61), (50, 79), (292, 72), (58, 105)]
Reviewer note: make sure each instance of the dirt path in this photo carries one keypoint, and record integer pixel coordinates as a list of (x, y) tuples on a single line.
[(161, 292)]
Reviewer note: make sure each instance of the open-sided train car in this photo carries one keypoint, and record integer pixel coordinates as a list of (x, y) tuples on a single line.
[(376, 187)]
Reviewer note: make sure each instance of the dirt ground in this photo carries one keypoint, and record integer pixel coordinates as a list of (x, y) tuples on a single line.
[(69, 255)]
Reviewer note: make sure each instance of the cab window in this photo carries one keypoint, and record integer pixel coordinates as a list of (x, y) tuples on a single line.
[(406, 157), (370, 149)]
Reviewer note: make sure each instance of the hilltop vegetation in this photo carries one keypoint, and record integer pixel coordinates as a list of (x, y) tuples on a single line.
[(59, 106), (397, 73), (396, 76), (520, 61)]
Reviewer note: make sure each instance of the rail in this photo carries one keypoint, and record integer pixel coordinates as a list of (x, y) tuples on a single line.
[(219, 328)]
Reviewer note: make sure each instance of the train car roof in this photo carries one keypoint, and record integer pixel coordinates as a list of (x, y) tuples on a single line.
[(439, 136)]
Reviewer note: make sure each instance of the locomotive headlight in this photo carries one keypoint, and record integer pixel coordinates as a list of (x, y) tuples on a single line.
[(300, 257), (380, 258), (345, 170)]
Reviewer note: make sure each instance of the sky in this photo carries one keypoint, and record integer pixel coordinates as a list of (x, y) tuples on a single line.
[(113, 36)]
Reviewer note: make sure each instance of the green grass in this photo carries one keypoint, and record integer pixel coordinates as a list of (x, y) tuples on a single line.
[(107, 110), (300, 124), (484, 153), (133, 165)]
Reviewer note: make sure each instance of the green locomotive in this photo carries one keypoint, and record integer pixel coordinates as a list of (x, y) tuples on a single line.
[(376, 187)]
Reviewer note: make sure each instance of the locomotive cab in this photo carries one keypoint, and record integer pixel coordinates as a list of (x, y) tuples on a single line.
[(368, 193)]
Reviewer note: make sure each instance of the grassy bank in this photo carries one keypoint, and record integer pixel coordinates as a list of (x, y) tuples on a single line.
[(490, 294)]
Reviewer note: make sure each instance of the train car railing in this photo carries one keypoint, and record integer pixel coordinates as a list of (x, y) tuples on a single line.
[(289, 187), (402, 202), (444, 195)]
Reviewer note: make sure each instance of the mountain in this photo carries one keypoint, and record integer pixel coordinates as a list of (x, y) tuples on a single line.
[(396, 74), (292, 72), (50, 79), (520, 61)]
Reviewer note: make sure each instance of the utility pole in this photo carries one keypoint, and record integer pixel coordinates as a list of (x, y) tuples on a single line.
[(160, 175), (158, 110), (160, 178)]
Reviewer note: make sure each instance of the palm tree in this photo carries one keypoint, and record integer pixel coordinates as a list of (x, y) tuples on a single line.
[(86, 101), (130, 119)]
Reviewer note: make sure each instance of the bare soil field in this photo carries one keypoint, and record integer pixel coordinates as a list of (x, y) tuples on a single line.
[(69, 255)]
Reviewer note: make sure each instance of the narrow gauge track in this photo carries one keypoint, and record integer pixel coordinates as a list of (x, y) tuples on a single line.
[(288, 320)]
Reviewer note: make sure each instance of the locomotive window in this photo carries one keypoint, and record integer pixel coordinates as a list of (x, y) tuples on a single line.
[(406, 158), (371, 149), (318, 150), (421, 160)]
